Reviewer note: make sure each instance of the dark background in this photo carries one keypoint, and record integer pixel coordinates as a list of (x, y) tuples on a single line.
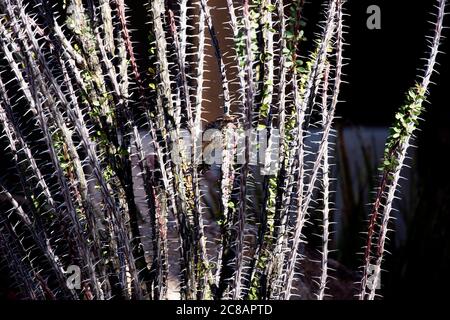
[(383, 64)]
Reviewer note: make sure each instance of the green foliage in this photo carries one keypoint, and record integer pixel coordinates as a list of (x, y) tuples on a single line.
[(406, 122)]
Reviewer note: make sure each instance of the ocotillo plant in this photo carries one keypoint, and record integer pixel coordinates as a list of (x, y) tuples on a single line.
[(87, 126)]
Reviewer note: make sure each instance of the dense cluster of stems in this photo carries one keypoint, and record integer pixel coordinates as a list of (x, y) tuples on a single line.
[(87, 126)]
